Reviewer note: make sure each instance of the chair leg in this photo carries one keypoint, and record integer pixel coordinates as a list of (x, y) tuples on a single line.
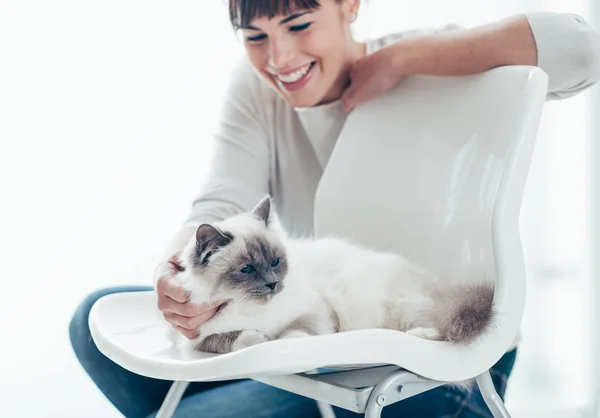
[(373, 410), (491, 397), (167, 409), (326, 410)]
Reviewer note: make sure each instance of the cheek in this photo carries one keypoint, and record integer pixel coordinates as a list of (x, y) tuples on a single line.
[(330, 54), (259, 59), (312, 44), (257, 56)]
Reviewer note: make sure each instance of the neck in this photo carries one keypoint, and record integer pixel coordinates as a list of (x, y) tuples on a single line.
[(357, 51)]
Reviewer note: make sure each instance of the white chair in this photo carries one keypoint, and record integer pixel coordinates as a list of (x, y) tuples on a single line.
[(435, 169)]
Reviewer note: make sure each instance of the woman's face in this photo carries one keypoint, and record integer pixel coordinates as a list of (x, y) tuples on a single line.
[(305, 56)]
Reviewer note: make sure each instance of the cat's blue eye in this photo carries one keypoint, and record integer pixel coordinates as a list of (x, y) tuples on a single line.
[(247, 269), (275, 262), (300, 28)]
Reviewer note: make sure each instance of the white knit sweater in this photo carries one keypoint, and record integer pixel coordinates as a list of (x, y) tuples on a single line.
[(263, 145)]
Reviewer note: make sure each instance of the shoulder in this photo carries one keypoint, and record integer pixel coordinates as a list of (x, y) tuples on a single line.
[(248, 97), (380, 42), (246, 85)]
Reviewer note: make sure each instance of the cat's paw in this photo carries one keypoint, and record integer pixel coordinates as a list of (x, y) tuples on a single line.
[(248, 338), (426, 333)]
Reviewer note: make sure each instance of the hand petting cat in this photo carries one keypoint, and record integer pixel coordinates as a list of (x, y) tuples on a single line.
[(174, 301), (275, 286)]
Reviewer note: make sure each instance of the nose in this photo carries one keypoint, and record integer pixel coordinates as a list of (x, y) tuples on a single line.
[(281, 52), (271, 285)]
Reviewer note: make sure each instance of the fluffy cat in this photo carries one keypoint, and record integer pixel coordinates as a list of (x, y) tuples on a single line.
[(282, 287)]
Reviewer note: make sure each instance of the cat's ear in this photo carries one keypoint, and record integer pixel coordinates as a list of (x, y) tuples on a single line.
[(209, 239), (263, 210)]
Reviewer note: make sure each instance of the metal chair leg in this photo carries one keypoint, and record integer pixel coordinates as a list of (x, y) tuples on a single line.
[(373, 410), (491, 397), (389, 387), (169, 405), (326, 410)]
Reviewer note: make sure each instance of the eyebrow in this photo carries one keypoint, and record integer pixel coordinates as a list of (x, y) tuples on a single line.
[(283, 21)]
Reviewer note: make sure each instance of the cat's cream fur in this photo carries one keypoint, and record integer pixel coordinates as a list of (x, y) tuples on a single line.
[(321, 286)]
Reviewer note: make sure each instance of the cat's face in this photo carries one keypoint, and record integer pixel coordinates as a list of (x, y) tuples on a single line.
[(240, 257)]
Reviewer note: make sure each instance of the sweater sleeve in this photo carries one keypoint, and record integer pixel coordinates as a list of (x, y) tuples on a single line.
[(568, 51), (238, 176)]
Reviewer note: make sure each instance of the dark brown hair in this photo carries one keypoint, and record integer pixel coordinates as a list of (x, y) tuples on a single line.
[(242, 12)]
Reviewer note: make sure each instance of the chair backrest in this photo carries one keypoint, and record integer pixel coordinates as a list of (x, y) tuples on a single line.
[(435, 169)]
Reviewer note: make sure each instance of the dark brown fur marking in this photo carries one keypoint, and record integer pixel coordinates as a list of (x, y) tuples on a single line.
[(218, 343), (208, 240), (472, 315)]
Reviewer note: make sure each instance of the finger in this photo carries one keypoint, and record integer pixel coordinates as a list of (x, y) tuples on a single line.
[(354, 71), (189, 334), (191, 311), (187, 309), (348, 98), (177, 293), (175, 262), (190, 323), (167, 305), (178, 321), (348, 101)]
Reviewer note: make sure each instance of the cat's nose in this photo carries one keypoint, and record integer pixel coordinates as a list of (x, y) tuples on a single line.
[(271, 285)]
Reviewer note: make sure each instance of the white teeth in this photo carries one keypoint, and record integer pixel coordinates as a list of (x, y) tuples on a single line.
[(295, 76)]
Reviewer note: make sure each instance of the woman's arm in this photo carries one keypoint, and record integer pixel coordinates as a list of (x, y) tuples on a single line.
[(563, 45), (238, 176), (467, 51)]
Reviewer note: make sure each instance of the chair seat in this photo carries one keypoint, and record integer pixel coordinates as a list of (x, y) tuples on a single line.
[(144, 344)]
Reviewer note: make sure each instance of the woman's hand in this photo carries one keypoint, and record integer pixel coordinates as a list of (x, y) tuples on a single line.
[(455, 52), (173, 301), (371, 76)]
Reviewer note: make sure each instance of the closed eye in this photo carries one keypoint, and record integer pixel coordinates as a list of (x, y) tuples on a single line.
[(256, 38), (295, 28), (248, 269), (301, 27)]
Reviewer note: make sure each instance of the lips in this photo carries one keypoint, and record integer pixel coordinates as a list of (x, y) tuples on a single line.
[(298, 78), (294, 76)]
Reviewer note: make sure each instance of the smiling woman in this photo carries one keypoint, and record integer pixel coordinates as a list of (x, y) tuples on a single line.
[(284, 42), (283, 111)]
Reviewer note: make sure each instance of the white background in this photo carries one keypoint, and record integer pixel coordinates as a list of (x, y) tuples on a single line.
[(106, 109)]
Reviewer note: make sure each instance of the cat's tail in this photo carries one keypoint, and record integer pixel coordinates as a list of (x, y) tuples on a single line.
[(466, 312)]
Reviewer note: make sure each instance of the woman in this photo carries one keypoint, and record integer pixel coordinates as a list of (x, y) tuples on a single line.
[(287, 101)]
